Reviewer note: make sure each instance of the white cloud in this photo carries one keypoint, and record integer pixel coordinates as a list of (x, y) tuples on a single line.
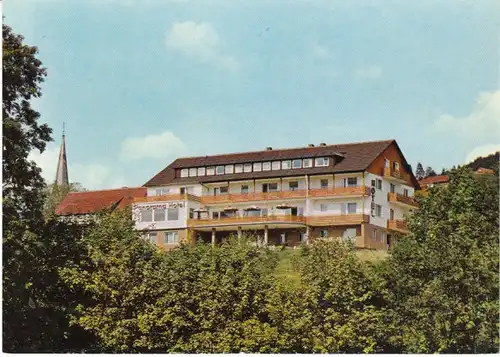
[(90, 176), (483, 151), (481, 126), (153, 146), (321, 52), (369, 72), (199, 41)]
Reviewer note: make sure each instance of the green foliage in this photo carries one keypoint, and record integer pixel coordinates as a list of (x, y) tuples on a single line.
[(443, 277), (419, 172), (488, 162)]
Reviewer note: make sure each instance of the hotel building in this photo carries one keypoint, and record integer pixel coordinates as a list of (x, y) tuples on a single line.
[(360, 191)]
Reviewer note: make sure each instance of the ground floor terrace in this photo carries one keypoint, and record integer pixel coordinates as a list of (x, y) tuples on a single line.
[(363, 235)]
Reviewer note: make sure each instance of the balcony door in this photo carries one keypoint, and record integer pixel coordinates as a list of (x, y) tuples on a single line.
[(391, 214), (265, 187)]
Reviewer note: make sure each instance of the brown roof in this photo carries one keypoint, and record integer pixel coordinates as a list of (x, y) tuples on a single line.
[(434, 179), (482, 170), (95, 201), (348, 158)]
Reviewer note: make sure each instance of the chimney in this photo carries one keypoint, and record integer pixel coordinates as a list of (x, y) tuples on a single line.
[(310, 145), (322, 144), (269, 148)]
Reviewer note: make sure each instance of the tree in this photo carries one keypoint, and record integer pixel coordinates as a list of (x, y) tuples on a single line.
[(55, 194), (429, 172), (419, 173), (22, 184), (442, 278)]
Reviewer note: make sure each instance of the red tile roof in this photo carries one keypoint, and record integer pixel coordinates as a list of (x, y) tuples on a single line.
[(434, 179), (95, 201), (350, 157), (482, 170)]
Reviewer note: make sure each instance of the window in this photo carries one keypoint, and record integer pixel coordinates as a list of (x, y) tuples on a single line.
[(321, 161), (266, 166), (283, 238), (229, 169), (201, 171), (379, 184), (257, 166), (263, 212), (374, 235), (172, 214), (244, 188), (273, 187), (374, 183), (387, 163), (323, 233), (191, 213), (276, 165), (210, 171), (378, 210), (303, 236), (183, 190), (391, 214), (238, 168), (247, 168), (151, 237), (159, 214), (171, 237), (297, 164), (307, 163), (184, 173), (300, 211), (323, 207), (286, 164), (162, 191), (382, 237), (350, 181), (224, 189), (405, 192), (393, 188), (324, 183), (220, 170), (351, 208), (147, 215), (395, 166), (192, 172), (349, 233), (293, 185)]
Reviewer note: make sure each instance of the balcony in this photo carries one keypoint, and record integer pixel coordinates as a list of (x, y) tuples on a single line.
[(228, 221), (253, 196), (398, 225), (167, 198), (402, 200), (340, 191), (391, 174), (337, 220)]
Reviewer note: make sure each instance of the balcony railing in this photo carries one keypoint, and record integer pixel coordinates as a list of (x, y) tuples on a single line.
[(253, 196), (398, 225), (389, 172), (172, 197), (246, 220), (399, 198), (336, 220), (340, 191), (330, 220)]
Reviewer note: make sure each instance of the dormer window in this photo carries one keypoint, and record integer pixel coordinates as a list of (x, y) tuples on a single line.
[(285, 165), (220, 170), (321, 161), (247, 168), (193, 172), (257, 166), (276, 165), (297, 164), (266, 166), (210, 171), (307, 163), (201, 171), (229, 169), (184, 173), (238, 168)]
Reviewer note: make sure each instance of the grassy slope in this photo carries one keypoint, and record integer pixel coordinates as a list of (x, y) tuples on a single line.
[(285, 270)]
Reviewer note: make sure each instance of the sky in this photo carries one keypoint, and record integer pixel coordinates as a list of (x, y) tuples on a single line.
[(140, 83)]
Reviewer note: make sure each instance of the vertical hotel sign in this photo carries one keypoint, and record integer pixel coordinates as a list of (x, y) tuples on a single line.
[(373, 202)]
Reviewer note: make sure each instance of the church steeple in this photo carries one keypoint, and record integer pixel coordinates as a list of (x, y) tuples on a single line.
[(62, 164)]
